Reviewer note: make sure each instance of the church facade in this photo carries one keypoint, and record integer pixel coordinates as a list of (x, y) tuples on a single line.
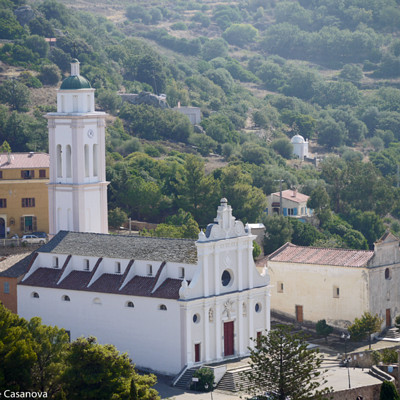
[(169, 303)]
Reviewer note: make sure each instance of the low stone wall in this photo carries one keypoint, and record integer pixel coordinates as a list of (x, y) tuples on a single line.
[(367, 392)]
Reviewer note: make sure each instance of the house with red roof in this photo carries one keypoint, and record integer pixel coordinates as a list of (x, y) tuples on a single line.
[(338, 285), (294, 204)]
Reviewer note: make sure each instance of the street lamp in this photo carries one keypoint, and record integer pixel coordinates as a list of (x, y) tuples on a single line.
[(346, 360)]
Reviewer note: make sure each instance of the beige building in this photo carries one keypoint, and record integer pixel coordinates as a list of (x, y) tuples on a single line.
[(24, 204), (338, 285), (294, 204)]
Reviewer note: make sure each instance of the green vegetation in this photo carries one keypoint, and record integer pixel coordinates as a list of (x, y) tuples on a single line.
[(39, 358), (274, 358), (261, 71), (367, 325)]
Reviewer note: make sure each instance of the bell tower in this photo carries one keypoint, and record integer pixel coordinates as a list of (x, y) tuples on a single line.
[(77, 186)]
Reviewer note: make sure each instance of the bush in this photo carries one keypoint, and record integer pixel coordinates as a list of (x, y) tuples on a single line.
[(179, 26), (206, 380), (50, 74)]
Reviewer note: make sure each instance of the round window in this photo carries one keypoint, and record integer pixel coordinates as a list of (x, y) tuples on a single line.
[(226, 278), (257, 307), (196, 318)]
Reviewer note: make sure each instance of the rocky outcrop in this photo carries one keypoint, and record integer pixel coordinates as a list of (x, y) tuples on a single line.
[(24, 14)]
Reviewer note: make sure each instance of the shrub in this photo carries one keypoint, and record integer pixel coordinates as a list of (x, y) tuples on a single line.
[(206, 379)]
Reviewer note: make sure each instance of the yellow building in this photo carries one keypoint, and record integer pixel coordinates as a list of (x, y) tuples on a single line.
[(24, 205)]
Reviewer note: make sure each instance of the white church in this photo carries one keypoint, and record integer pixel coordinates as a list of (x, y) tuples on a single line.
[(169, 303)]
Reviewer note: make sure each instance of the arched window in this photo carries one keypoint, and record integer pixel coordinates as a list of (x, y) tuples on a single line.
[(162, 307), (97, 301), (86, 160), (95, 160), (59, 161), (257, 307), (35, 295), (387, 273), (129, 304), (68, 160), (65, 298)]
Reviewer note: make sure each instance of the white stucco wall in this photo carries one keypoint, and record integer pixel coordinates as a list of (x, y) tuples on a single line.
[(314, 288)]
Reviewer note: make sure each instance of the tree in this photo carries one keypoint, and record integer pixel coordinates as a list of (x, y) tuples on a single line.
[(323, 329), (366, 325), (50, 74), (16, 352), (278, 231), (283, 147), (240, 34), (116, 217), (388, 391), (95, 371), (282, 365), (214, 48), (50, 345), (319, 201), (15, 93)]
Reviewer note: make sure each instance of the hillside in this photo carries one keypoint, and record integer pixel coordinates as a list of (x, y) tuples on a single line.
[(260, 70)]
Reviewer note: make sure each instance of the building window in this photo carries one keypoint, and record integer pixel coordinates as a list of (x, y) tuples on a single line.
[(162, 307), (65, 298), (6, 287), (55, 262), (149, 270), (69, 161), (129, 304), (279, 287), (196, 318), (86, 264), (226, 278), (3, 203), (257, 307), (336, 292), (42, 173), (28, 202), (97, 301), (28, 223), (86, 150), (1, 174), (388, 274), (181, 273), (27, 174), (69, 335), (118, 267), (35, 295), (59, 161)]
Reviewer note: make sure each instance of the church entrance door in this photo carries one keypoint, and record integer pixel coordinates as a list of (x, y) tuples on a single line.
[(228, 338)]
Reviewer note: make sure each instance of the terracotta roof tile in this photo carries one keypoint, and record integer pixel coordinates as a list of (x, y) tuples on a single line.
[(43, 277), (288, 195), (24, 160), (322, 256)]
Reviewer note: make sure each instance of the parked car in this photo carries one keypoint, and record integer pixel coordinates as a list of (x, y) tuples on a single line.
[(40, 234), (33, 239)]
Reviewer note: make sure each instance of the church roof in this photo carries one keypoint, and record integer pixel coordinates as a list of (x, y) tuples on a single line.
[(15, 265), (123, 247), (291, 253), (74, 82)]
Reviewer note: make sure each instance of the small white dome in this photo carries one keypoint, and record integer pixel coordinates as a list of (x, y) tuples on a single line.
[(297, 139)]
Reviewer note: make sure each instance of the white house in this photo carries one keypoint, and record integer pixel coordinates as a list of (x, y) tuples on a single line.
[(294, 204), (169, 303), (193, 113), (338, 285), (300, 146)]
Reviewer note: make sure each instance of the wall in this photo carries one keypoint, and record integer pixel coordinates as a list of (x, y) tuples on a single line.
[(301, 279), (149, 335), (9, 300)]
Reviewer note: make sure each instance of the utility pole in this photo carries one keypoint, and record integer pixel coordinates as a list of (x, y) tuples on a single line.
[(280, 194)]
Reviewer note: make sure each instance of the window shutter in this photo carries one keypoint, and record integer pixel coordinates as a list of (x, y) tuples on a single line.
[(34, 223), (22, 174), (285, 212), (22, 224), (32, 173), (295, 211)]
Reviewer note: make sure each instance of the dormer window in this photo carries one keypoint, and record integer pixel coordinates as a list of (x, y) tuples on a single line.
[(117, 267), (86, 264), (182, 273), (55, 262), (149, 270)]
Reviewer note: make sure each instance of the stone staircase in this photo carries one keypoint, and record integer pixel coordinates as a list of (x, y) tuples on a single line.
[(392, 333), (233, 380), (186, 379)]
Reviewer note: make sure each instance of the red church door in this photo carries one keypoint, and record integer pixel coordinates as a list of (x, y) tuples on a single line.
[(228, 338)]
